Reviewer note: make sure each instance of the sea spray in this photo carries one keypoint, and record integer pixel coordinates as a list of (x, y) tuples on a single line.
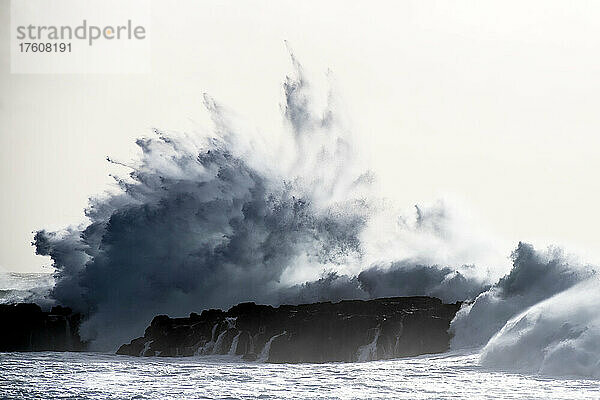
[(199, 224), (215, 219), (368, 352), (26, 287), (234, 344), (559, 336), (535, 276), (264, 354)]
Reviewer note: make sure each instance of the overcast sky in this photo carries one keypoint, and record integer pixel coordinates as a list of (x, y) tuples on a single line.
[(493, 103)]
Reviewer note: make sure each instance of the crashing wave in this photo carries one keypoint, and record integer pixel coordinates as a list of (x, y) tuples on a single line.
[(220, 218), (559, 336)]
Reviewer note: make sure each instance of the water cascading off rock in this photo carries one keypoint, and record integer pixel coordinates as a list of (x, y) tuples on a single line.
[(351, 330)]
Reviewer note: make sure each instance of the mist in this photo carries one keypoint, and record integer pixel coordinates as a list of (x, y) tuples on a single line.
[(222, 216)]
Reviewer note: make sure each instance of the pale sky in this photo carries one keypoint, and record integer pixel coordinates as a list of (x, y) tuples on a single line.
[(494, 103)]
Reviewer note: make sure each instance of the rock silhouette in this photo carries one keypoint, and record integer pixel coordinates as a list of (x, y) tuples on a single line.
[(25, 327), (350, 330)]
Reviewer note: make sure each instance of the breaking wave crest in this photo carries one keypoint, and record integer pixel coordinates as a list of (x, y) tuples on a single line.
[(214, 219), (559, 336), (25, 287)]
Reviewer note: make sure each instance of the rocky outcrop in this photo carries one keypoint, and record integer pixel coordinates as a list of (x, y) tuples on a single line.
[(25, 327), (353, 330)]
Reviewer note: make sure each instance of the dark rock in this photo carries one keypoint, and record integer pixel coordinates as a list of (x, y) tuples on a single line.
[(25, 327), (353, 330), (60, 310), (249, 357), (244, 345)]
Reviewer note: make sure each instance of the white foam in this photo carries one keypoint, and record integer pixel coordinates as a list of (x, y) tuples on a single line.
[(368, 352), (559, 336), (234, 344), (264, 354)]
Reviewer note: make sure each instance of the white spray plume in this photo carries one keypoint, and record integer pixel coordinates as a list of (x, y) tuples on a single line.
[(221, 217)]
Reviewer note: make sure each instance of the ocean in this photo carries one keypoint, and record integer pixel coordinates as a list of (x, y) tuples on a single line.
[(18, 287), (223, 217), (106, 376)]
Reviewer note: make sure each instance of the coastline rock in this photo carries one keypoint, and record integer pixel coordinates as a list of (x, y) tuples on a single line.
[(350, 330), (25, 327)]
